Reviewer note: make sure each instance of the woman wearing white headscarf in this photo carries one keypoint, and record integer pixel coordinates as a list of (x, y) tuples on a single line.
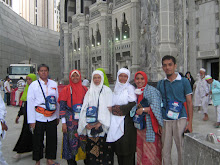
[(97, 150), (122, 130)]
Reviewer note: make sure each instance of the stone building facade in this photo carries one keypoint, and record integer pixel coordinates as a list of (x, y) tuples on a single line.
[(138, 33), (21, 41)]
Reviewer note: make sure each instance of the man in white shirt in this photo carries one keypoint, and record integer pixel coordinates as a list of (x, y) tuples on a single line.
[(20, 85), (203, 88), (85, 82), (8, 90), (41, 122)]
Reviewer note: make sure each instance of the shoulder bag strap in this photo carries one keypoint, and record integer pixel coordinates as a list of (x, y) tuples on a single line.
[(98, 98), (41, 89), (164, 85), (71, 96)]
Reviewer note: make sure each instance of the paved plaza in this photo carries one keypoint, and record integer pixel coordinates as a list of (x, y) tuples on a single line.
[(14, 130)]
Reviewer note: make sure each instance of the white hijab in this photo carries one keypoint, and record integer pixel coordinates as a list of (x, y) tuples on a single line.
[(123, 94), (91, 99)]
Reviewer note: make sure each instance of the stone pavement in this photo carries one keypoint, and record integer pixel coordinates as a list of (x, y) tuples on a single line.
[(14, 130)]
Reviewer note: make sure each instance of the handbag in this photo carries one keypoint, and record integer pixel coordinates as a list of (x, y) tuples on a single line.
[(92, 112), (76, 108), (173, 107), (50, 101), (140, 120), (94, 131)]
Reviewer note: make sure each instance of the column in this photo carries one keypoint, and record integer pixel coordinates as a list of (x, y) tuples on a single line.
[(103, 8), (82, 32), (167, 37), (66, 51), (219, 43), (135, 35)]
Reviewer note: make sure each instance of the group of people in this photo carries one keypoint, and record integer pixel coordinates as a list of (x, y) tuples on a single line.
[(98, 123), (205, 88), (6, 87)]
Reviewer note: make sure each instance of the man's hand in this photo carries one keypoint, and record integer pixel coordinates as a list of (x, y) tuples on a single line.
[(32, 125), (4, 127), (189, 127), (64, 128), (16, 120)]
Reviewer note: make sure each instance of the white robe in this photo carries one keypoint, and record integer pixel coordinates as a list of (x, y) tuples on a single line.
[(123, 93), (91, 99)]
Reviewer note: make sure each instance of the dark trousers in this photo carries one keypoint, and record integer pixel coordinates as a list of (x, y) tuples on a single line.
[(51, 140), (8, 98), (126, 160)]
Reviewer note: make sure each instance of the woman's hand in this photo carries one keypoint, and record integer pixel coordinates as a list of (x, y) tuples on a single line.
[(89, 126), (16, 120), (64, 128), (141, 110), (159, 130), (97, 125), (110, 109)]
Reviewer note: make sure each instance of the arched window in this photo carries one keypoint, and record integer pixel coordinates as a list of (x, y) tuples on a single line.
[(75, 46), (93, 39), (82, 6), (98, 37), (65, 10), (125, 29), (78, 40), (117, 31)]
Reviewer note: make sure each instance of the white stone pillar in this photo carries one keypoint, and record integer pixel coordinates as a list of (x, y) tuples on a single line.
[(66, 51), (167, 36), (103, 8), (82, 34), (135, 35)]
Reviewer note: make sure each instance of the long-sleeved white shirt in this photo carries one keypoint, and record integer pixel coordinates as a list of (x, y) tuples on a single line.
[(35, 98)]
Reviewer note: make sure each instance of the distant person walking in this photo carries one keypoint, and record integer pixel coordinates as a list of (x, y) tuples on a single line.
[(20, 86), (190, 78), (203, 88), (24, 143), (7, 88), (215, 92), (85, 82)]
